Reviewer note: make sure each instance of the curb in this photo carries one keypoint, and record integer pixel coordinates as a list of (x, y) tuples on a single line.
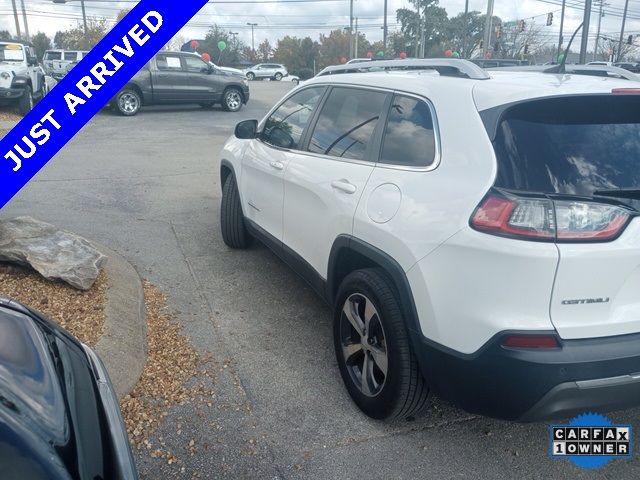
[(123, 345)]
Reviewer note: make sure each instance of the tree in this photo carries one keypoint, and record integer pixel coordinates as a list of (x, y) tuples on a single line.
[(122, 13), (265, 50), (466, 34), (398, 42), (334, 47), (5, 35), (608, 49), (41, 43), (297, 54), (230, 55), (518, 43), (75, 38), (425, 21)]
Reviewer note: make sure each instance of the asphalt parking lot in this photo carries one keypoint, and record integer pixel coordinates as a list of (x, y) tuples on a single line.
[(148, 187)]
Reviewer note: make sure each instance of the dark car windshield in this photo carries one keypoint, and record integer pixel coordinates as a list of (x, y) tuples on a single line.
[(571, 145)]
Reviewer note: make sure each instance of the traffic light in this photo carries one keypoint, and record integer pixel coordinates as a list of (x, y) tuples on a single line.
[(498, 31), (550, 19), (481, 44), (526, 49), (522, 25), (630, 40)]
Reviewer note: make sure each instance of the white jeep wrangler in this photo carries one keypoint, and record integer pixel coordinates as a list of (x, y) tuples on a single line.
[(22, 80)]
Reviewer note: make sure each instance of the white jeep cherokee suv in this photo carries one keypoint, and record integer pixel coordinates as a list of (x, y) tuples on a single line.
[(476, 235)]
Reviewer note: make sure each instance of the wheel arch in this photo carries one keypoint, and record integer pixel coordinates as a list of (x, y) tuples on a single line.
[(226, 169), (349, 254), (136, 88), (237, 87)]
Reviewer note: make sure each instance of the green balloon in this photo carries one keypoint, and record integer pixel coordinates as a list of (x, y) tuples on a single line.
[(455, 55), (222, 45), (380, 54)]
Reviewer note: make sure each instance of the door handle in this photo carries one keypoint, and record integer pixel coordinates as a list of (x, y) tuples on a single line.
[(277, 165), (344, 186)]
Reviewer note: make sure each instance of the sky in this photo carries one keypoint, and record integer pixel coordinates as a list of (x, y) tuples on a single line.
[(276, 18)]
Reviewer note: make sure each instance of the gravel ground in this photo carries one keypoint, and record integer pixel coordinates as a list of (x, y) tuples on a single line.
[(7, 114), (171, 363), (80, 313)]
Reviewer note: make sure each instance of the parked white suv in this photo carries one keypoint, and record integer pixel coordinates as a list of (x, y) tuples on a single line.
[(22, 81), (476, 234), (273, 71), (58, 63)]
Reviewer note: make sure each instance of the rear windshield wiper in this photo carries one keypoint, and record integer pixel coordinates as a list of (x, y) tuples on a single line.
[(633, 193)]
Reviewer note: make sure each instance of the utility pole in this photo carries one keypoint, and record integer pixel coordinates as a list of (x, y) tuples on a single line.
[(351, 29), (624, 22), (560, 38), (595, 49), (417, 51), (356, 53), (15, 17), (465, 34), (386, 29), (24, 18), (488, 26), (585, 32), (253, 43)]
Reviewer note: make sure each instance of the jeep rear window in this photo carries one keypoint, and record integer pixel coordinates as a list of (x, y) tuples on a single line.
[(571, 145), (53, 56), (11, 53)]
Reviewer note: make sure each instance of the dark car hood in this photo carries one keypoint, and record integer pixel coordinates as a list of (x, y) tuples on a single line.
[(50, 414)]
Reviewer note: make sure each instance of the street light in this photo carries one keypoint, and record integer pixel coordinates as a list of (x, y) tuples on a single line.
[(253, 46), (84, 14)]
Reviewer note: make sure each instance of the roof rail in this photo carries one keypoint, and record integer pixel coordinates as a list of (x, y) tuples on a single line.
[(444, 66), (591, 70)]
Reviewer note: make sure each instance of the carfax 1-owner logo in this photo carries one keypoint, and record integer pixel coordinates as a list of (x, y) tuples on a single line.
[(590, 441)]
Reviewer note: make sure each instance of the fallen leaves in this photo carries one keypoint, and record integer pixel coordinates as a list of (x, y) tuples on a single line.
[(80, 313), (171, 361)]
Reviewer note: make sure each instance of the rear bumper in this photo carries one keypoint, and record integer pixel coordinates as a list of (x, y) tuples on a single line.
[(531, 385), (119, 439)]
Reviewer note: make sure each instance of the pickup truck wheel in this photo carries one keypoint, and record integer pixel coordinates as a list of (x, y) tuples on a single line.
[(25, 104), (278, 76), (373, 349), (232, 100), (128, 102), (234, 230), (251, 76)]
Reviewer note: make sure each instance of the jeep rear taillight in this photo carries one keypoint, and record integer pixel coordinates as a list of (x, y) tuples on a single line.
[(544, 219)]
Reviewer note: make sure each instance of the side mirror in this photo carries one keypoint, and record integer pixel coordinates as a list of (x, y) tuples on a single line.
[(247, 130)]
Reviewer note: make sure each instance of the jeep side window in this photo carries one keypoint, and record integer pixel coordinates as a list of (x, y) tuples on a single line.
[(71, 56), (285, 126), (53, 56), (409, 137), (347, 122)]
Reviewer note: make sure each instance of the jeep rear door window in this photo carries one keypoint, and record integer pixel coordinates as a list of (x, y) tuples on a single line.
[(347, 122), (71, 56), (409, 138), (285, 126), (572, 145), (11, 53), (53, 56)]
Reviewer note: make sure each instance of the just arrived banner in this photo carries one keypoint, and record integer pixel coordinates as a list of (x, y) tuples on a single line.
[(88, 88)]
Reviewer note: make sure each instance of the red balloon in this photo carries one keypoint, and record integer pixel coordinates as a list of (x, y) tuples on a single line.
[(369, 54), (195, 44), (343, 60), (403, 55), (206, 57), (448, 53)]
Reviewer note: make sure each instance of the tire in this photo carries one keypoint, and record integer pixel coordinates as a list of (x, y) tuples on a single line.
[(251, 76), (25, 103), (402, 392), (278, 77), (234, 230), (232, 100), (128, 102)]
